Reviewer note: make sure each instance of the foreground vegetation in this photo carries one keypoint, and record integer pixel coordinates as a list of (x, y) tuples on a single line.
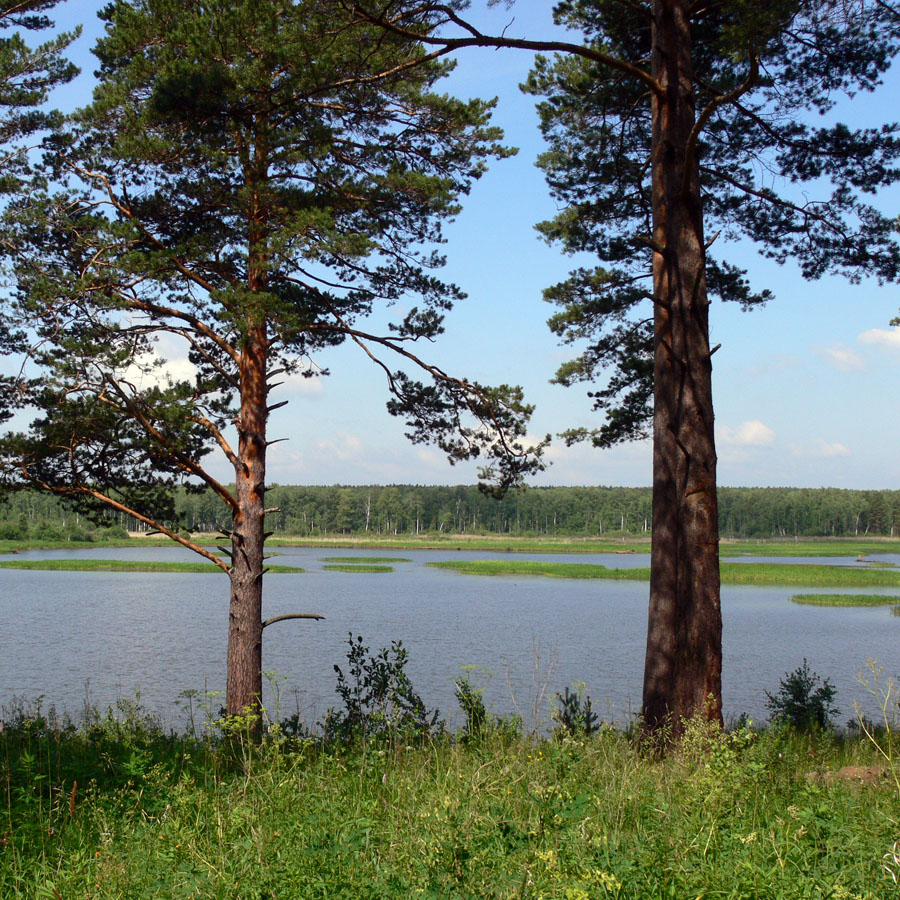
[(732, 573), (121, 809)]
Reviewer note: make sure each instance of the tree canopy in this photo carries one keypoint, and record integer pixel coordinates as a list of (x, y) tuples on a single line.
[(251, 179), (671, 123), (27, 76), (773, 166)]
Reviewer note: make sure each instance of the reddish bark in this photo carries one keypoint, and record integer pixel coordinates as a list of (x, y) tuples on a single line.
[(245, 627), (682, 674), (245, 623)]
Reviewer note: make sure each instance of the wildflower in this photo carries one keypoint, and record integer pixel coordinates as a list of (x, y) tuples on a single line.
[(609, 881)]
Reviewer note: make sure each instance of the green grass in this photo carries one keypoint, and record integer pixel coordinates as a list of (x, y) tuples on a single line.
[(539, 567), (511, 544), (364, 568), (845, 599), (494, 543), (123, 565), (826, 576), (809, 547), (582, 544), (117, 811), (731, 573), (16, 546), (353, 560)]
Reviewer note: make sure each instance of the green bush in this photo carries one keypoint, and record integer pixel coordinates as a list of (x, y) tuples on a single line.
[(378, 697), (471, 702), (574, 715), (803, 700)]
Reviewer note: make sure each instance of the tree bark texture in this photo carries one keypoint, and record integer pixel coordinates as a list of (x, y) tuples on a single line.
[(682, 674), (244, 685), (245, 621)]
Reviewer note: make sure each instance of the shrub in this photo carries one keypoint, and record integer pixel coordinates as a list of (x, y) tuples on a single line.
[(803, 700), (574, 716), (378, 696), (471, 702)]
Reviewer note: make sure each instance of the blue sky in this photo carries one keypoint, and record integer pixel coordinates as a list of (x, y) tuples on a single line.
[(804, 388)]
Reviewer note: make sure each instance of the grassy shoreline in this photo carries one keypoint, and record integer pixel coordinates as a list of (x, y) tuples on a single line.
[(731, 573), (125, 565), (837, 547), (506, 544)]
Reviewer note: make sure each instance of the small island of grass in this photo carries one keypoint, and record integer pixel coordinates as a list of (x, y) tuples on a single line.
[(844, 599), (731, 573), (357, 560), (364, 568)]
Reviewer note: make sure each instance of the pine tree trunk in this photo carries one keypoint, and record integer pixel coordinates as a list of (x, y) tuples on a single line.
[(244, 679), (682, 674), (244, 683)]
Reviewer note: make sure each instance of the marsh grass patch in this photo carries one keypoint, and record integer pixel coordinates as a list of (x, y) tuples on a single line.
[(732, 573), (845, 599), (362, 560)]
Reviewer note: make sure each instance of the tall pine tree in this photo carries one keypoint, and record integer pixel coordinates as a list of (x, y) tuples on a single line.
[(252, 178), (672, 123)]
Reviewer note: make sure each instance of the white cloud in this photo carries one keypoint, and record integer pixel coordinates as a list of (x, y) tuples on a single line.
[(843, 357), (748, 434), (881, 337), (344, 446), (821, 450), (148, 370), (298, 382), (829, 451)]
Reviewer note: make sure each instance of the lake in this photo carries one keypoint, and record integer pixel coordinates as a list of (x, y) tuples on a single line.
[(77, 636)]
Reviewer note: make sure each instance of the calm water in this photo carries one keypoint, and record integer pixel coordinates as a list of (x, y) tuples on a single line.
[(72, 635)]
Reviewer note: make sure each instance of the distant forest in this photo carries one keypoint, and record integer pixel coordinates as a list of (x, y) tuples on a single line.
[(413, 509)]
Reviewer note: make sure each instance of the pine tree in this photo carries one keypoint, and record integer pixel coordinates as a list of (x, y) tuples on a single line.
[(674, 123), (252, 178), (27, 76)]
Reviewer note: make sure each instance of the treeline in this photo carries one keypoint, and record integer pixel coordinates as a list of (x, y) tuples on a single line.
[(413, 509), (39, 516)]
